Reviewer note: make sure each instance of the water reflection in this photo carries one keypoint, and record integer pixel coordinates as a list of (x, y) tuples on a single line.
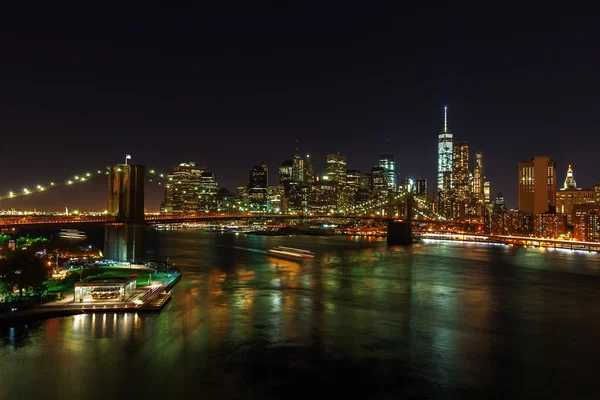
[(436, 318)]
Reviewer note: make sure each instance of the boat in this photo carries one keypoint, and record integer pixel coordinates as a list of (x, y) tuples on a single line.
[(292, 253)]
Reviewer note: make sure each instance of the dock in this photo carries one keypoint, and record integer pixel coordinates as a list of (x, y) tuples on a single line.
[(152, 299)]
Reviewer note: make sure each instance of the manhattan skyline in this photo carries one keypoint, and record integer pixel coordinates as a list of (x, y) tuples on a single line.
[(81, 92)]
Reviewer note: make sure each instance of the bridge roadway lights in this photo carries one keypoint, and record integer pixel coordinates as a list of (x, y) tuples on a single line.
[(399, 233)]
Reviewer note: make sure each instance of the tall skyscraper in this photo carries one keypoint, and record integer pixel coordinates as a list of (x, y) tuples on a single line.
[(487, 192), (258, 189), (336, 168), (537, 185), (297, 168), (460, 171), (570, 179), (421, 187), (445, 156), (309, 174), (478, 176), (378, 183), (285, 172), (386, 161)]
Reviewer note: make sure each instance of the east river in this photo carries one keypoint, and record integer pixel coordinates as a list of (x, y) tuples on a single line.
[(438, 319)]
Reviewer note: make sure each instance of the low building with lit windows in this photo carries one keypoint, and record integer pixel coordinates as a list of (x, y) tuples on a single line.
[(105, 289)]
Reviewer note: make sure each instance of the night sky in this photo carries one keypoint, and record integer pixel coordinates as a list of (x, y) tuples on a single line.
[(233, 86)]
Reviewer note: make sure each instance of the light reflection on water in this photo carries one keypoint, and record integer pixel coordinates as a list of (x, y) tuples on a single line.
[(435, 318)]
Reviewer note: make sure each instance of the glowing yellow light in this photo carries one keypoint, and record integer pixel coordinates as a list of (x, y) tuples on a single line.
[(151, 171), (76, 177), (69, 182), (51, 183), (88, 174), (99, 171)]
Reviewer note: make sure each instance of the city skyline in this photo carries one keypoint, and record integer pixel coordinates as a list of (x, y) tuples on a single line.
[(188, 92)]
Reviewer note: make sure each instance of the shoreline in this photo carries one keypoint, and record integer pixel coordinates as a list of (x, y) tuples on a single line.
[(46, 312)]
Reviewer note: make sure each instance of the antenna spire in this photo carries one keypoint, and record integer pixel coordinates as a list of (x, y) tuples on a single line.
[(445, 119)]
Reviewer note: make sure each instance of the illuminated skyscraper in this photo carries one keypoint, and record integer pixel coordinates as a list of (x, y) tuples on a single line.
[(571, 196), (445, 156), (285, 172), (258, 189), (486, 192), (190, 189), (421, 187), (570, 180), (537, 185), (386, 161), (460, 171), (336, 168), (297, 168), (309, 174), (478, 176)]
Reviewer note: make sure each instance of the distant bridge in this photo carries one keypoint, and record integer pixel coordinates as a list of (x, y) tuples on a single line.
[(154, 219)]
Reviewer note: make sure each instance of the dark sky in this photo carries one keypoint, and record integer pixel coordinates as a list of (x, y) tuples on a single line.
[(232, 86)]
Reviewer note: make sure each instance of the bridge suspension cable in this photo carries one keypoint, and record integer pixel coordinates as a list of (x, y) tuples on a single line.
[(153, 176)]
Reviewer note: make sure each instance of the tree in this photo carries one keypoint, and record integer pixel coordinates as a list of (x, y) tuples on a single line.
[(23, 270)]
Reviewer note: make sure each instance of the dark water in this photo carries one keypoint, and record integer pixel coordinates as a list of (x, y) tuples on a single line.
[(437, 320)]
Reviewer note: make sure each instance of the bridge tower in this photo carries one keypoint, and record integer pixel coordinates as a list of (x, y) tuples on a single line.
[(126, 202), (400, 232)]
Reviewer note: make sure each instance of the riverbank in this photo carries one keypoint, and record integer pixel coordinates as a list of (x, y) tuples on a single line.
[(152, 299)]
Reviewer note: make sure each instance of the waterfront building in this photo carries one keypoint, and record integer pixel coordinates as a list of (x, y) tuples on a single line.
[(537, 185), (586, 222), (386, 161), (549, 225), (570, 195)]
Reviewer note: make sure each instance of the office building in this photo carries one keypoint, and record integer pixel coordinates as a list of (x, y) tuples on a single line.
[(258, 189), (386, 161), (460, 171), (207, 192), (486, 192), (421, 187), (285, 172), (336, 168), (378, 183), (537, 185), (309, 174), (586, 221), (276, 199), (550, 225), (190, 189), (297, 168), (570, 196), (478, 176)]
